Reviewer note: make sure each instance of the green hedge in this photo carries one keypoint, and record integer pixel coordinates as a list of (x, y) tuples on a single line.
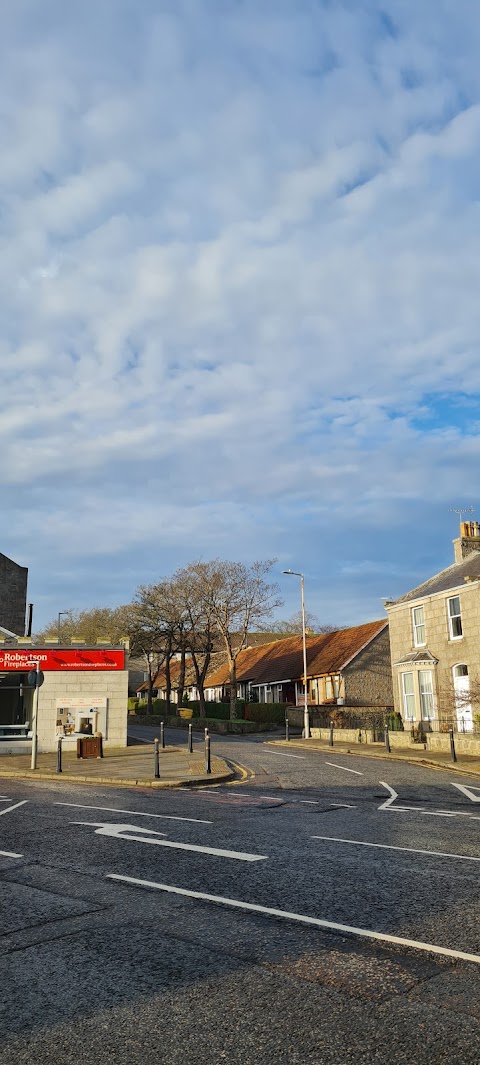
[(201, 723), (266, 713)]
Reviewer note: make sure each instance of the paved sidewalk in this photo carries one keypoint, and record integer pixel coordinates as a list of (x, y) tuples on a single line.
[(466, 763), (121, 766)]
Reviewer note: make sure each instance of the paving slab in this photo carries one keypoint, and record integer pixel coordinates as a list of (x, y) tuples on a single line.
[(127, 766)]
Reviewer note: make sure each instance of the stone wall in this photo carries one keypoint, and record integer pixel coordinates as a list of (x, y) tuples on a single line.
[(368, 679), (13, 595)]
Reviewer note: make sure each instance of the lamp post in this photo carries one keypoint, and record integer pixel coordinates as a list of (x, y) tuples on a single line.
[(61, 614), (306, 720)]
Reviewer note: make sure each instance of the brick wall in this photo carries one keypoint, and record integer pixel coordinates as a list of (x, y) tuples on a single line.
[(13, 595)]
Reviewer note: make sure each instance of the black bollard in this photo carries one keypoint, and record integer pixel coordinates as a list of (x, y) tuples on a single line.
[(59, 755), (453, 753), (331, 735), (387, 740), (157, 762), (208, 766), (287, 734), (190, 738), (162, 735)]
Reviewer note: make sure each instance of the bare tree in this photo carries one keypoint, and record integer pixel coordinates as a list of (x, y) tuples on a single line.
[(199, 627), (293, 626), (89, 625), (236, 598)]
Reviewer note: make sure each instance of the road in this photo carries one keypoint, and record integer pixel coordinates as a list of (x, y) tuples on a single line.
[(325, 912)]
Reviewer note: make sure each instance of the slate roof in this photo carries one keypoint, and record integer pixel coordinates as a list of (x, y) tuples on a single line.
[(452, 577)]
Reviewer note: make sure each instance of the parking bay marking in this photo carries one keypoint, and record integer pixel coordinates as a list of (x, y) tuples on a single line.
[(389, 847), (334, 766), (365, 933), (103, 828), (134, 813)]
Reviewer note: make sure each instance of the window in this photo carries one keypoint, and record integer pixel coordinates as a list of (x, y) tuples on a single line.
[(408, 697), (454, 618), (418, 622), (425, 685)]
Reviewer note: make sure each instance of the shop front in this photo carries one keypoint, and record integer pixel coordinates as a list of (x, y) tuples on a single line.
[(83, 691)]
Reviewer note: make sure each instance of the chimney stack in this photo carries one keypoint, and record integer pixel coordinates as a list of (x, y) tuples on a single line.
[(468, 541)]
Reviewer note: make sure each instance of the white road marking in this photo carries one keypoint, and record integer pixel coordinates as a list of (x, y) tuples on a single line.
[(278, 754), (387, 805), (271, 798), (126, 832), (8, 809), (335, 766), (310, 802), (133, 813), (430, 948), (346, 805), (393, 796), (468, 791), (10, 854), (388, 847)]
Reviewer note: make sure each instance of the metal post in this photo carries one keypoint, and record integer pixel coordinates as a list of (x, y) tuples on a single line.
[(360, 736), (59, 755), (387, 740), (206, 734), (331, 735), (157, 762), (306, 718), (208, 767), (287, 735), (190, 738), (162, 735), (453, 753), (33, 764)]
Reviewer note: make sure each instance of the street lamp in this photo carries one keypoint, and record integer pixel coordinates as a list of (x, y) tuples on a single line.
[(306, 720), (61, 614)]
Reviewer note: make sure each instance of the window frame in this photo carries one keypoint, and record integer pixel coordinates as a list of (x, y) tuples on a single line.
[(405, 695), (429, 713), (452, 617), (416, 626)]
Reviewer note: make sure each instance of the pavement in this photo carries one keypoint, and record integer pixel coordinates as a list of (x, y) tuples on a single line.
[(122, 766), (466, 763)]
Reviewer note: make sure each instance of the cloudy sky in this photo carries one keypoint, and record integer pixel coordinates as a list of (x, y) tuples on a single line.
[(239, 292)]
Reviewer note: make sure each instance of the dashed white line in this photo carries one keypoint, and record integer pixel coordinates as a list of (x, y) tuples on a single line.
[(335, 766), (10, 854), (133, 813), (430, 948), (8, 809), (278, 754), (346, 805), (389, 847)]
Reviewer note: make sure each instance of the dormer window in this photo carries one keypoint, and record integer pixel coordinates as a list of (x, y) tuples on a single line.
[(418, 624), (455, 629)]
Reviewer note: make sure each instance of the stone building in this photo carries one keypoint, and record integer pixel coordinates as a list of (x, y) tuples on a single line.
[(435, 639), (13, 595), (84, 689)]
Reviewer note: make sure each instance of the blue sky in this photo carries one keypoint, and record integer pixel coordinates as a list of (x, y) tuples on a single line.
[(239, 281)]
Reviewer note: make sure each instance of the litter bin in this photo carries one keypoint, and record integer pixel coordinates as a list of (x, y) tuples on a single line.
[(90, 747)]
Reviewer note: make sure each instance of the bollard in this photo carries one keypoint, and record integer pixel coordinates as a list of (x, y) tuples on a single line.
[(162, 735), (99, 736), (190, 738), (387, 740), (287, 734), (208, 766), (453, 753), (59, 755), (331, 736), (206, 734), (360, 736), (157, 762)]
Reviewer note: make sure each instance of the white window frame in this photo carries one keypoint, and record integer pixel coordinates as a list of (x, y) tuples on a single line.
[(426, 694), (408, 695), (418, 627), (451, 617)]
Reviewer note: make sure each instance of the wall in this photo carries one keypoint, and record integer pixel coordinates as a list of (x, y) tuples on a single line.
[(13, 595), (348, 735), (112, 684), (368, 679)]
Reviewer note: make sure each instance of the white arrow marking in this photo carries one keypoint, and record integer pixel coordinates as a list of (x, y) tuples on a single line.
[(468, 791), (9, 808), (126, 832)]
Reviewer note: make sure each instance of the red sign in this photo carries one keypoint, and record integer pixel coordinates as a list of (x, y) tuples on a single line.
[(65, 658)]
